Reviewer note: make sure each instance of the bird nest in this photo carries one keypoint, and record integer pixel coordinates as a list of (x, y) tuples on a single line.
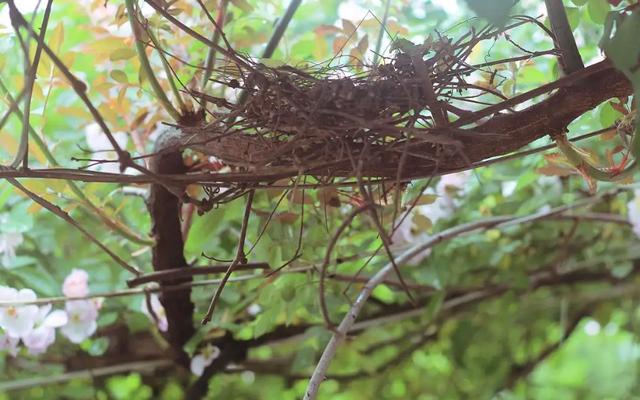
[(336, 119)]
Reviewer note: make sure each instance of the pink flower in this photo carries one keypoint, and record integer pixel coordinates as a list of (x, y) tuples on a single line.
[(204, 359), (82, 316), (43, 334), (17, 321), (158, 310), (76, 284)]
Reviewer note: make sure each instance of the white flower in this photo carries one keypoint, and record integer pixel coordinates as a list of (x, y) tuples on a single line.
[(43, 334), (407, 233), (452, 182), (158, 310), (9, 344), (204, 359), (8, 243), (508, 188), (76, 284), (17, 321), (254, 309), (442, 208), (634, 212), (82, 316), (100, 144)]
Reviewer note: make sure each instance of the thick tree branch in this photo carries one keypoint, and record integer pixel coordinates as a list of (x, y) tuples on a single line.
[(501, 134), (164, 208), (570, 59)]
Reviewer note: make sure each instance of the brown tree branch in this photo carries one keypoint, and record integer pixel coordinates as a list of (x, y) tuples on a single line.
[(167, 251), (501, 134)]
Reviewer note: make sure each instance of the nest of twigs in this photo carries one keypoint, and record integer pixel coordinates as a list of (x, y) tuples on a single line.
[(332, 120)]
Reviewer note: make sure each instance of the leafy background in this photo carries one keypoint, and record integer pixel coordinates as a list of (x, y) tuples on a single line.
[(474, 352)]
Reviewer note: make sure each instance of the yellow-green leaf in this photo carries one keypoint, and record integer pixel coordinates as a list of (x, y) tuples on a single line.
[(124, 53), (119, 76)]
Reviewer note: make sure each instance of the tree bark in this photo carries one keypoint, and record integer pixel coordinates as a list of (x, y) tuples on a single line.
[(168, 250)]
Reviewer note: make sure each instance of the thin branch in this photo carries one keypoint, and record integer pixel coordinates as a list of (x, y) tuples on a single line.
[(146, 66), (211, 55), (229, 53), (327, 259), (349, 319), (167, 68), (275, 38), (78, 86), (176, 273), (565, 81), (139, 366), (383, 28), (239, 259), (66, 217), (100, 213), (31, 69)]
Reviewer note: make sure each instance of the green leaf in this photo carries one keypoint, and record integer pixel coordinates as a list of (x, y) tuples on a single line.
[(598, 10), (624, 56), (384, 293), (574, 16), (124, 53), (119, 76), (495, 11), (243, 5), (271, 62), (608, 115), (203, 231)]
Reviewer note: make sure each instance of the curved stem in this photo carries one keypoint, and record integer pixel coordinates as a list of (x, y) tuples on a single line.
[(583, 165), (211, 56), (146, 66), (167, 70)]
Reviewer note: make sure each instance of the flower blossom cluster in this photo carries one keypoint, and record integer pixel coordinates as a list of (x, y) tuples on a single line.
[(446, 191), (22, 320)]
